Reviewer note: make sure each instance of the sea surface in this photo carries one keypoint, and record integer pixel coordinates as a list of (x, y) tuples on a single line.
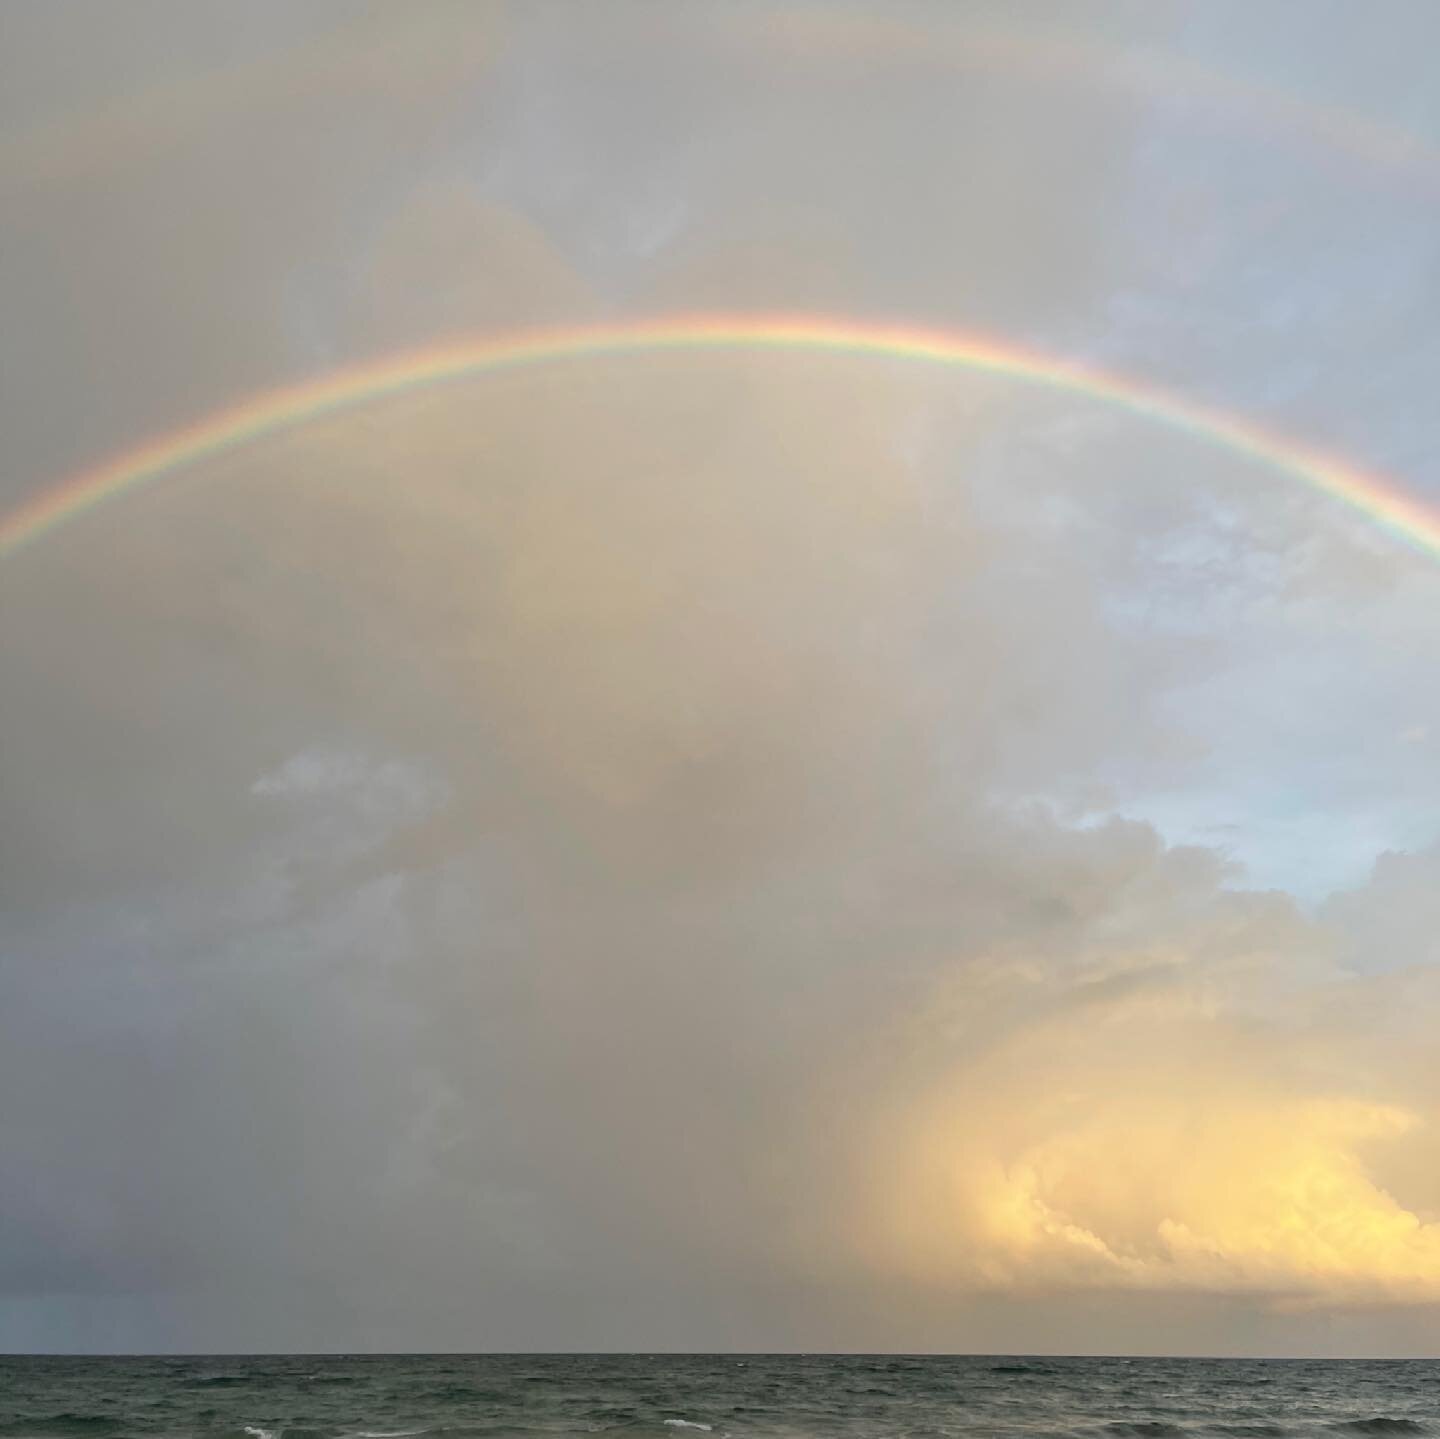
[(727, 1396)]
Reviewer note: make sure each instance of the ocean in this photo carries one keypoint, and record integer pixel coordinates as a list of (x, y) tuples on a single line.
[(729, 1396)]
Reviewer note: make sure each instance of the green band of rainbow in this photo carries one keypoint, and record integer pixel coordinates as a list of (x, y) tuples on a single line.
[(1373, 495)]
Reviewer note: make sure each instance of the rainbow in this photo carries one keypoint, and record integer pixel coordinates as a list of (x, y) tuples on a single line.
[(433, 51), (1373, 495), (1145, 72)]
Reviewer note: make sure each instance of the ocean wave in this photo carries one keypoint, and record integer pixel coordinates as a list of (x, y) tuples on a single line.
[(647, 1429), (467, 1394), (1382, 1424), (1249, 1431), (501, 1429), (64, 1423), (1145, 1428)]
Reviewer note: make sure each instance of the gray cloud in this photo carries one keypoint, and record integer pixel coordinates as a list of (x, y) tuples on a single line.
[(724, 849)]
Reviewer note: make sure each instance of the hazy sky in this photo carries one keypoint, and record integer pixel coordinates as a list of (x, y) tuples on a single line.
[(741, 849)]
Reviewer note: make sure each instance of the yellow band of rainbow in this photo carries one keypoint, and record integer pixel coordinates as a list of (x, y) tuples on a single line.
[(1375, 496)]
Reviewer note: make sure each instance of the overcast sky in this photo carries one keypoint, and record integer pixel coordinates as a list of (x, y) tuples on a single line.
[(740, 849)]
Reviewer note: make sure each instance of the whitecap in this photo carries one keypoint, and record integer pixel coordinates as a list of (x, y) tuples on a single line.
[(688, 1424)]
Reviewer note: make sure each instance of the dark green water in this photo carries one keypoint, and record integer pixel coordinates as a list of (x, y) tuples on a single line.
[(686, 1396)]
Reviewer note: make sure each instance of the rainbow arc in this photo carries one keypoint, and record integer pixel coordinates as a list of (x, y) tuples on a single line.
[(1373, 495)]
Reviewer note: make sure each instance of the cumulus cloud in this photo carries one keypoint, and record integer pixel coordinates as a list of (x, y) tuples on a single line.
[(1204, 1111)]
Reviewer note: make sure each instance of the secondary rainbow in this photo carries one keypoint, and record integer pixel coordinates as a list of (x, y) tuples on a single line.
[(1375, 496)]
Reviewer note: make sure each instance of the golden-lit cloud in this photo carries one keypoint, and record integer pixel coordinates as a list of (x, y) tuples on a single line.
[(1153, 1130)]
